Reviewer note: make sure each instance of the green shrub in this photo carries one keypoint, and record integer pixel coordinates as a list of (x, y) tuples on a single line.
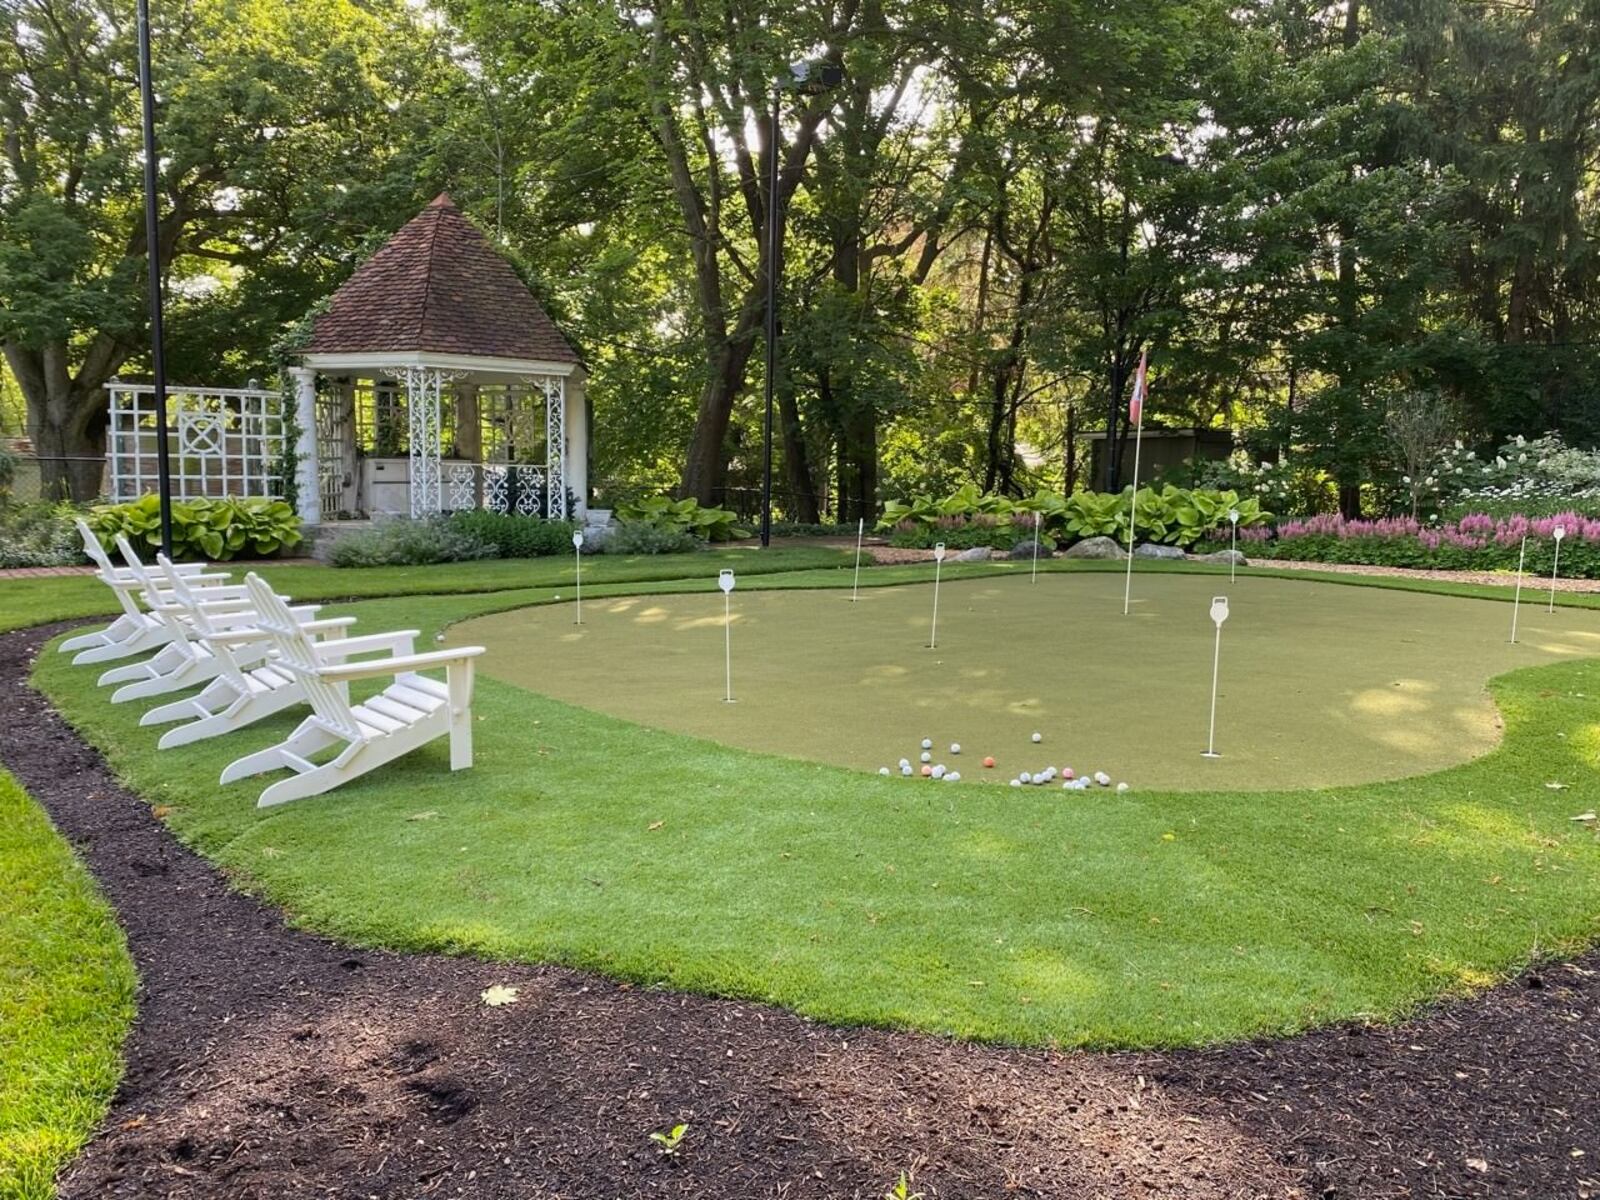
[(513, 535), (804, 529), (707, 524), (255, 527), (403, 542), (39, 535), (641, 537), (1167, 515)]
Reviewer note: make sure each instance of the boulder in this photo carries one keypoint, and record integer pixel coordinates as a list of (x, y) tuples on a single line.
[(1096, 547), (1023, 550), (1151, 550), (976, 554), (1224, 557)]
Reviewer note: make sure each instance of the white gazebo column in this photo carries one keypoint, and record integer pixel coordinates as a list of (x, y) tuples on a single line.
[(576, 460), (423, 385), (308, 484)]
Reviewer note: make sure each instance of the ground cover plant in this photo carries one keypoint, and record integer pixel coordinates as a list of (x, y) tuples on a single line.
[(66, 1000), (1156, 918), (1472, 542), (216, 530)]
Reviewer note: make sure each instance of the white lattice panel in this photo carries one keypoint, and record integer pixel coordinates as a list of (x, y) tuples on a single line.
[(221, 441)]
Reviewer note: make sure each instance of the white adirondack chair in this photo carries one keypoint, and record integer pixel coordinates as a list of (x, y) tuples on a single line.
[(135, 631), (410, 712), (242, 694), (186, 660)]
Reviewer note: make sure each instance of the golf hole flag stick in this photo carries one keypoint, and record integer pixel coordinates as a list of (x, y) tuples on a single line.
[(725, 582), (933, 630), (577, 563), (855, 590), (1558, 533), (1136, 419), (1233, 544), (1219, 614), (1516, 600)]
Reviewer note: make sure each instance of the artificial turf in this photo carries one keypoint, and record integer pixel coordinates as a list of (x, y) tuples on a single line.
[(1320, 686), (66, 1000), (1153, 918)]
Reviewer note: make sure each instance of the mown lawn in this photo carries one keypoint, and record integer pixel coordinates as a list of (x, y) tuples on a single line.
[(1147, 919), (66, 1000)]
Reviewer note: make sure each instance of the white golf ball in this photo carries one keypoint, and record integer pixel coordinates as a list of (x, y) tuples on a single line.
[(883, 770), (1037, 736), (1025, 777), (927, 743), (1102, 779), (1122, 787), (955, 747), (1016, 783), (905, 764), (1066, 784), (952, 776), (938, 771), (906, 770), (926, 757)]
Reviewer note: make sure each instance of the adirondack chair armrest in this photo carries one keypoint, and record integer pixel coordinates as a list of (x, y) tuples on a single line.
[(254, 633), (406, 662), (222, 606), (398, 641)]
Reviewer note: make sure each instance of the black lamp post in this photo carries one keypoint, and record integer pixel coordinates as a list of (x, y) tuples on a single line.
[(810, 78), (152, 234)]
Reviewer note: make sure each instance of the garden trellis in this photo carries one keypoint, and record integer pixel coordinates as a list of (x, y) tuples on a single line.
[(225, 441)]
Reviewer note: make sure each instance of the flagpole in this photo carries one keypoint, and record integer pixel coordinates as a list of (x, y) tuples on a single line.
[(1139, 385)]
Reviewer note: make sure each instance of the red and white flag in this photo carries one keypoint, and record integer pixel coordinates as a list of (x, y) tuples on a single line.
[(1136, 405)]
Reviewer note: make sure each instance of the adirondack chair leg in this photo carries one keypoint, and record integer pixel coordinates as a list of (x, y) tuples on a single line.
[(242, 712), (459, 681), (308, 783), (214, 697), (121, 629), (191, 674), (308, 738), (140, 643), (166, 660)]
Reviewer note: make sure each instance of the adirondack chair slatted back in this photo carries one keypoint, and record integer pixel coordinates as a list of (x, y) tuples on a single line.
[(173, 581), (166, 610), (297, 655), (96, 551)]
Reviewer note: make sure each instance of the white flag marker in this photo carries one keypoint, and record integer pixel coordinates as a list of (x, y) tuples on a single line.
[(938, 562), (1219, 614), (1516, 600), (1038, 519), (1136, 415), (1558, 533), (1233, 544), (577, 563), (725, 582), (861, 528)]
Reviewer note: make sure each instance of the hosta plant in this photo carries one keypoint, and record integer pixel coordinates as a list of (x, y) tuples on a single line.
[(255, 527)]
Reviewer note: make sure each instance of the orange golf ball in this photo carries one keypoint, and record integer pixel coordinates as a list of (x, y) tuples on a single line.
[(988, 762), (926, 770)]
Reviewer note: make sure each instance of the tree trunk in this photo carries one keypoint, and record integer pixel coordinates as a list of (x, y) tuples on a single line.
[(66, 417), (863, 464), (705, 466), (796, 461)]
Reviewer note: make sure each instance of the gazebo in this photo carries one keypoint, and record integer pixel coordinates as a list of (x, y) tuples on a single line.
[(435, 382)]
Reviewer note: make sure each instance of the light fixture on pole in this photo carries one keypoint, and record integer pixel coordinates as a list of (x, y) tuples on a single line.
[(808, 78), (152, 246)]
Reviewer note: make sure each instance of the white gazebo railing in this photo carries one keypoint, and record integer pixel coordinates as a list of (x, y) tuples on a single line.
[(223, 441)]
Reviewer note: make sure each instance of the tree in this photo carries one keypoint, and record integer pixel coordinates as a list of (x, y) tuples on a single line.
[(1419, 425), (278, 123)]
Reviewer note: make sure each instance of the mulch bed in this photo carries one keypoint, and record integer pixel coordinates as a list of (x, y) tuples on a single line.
[(270, 1063)]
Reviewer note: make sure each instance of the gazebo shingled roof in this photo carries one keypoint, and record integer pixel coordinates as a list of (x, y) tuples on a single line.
[(438, 286)]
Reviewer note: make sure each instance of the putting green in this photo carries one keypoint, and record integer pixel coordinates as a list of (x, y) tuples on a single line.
[(1320, 684)]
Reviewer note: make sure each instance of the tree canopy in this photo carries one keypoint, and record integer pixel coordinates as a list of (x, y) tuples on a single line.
[(1305, 213)]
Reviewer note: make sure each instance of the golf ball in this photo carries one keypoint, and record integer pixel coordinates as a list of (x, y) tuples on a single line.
[(1122, 787), (906, 770), (988, 762), (926, 770), (1037, 736), (955, 747), (938, 771), (1068, 773), (1102, 779), (927, 743), (926, 757), (905, 764), (1025, 777), (883, 770), (1016, 783), (952, 776)]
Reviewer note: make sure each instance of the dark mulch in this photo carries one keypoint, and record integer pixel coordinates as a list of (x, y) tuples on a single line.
[(270, 1063)]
